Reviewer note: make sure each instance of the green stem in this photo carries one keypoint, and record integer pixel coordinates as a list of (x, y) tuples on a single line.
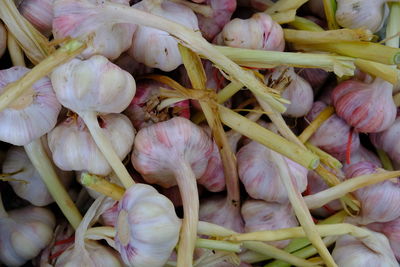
[(304, 24), (325, 158), (16, 54), (217, 245), (316, 37), (385, 160), (330, 11), (393, 28)]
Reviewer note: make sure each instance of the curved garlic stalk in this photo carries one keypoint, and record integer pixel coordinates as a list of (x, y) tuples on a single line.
[(24, 233), (3, 39), (34, 190), (154, 47), (96, 86), (39, 13), (258, 32), (388, 140), (175, 152)]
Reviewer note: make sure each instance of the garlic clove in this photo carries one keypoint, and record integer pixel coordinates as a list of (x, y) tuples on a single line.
[(73, 148), (3, 39), (392, 231), (94, 84), (147, 229), (163, 52), (39, 13), (259, 174), (259, 215), (258, 32), (388, 140), (31, 115)]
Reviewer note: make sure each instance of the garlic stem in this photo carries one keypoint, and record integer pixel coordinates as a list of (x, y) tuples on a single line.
[(304, 24), (385, 160), (99, 184), (283, 5), (396, 99), (393, 27), (316, 123), (16, 54), (228, 91), (330, 14), (38, 156), (204, 10), (325, 158), (3, 212), (101, 230), (384, 71), (284, 16), (14, 90), (316, 37), (217, 245), (105, 146), (321, 198)]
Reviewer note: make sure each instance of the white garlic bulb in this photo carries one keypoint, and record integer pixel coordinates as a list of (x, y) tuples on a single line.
[(3, 39), (156, 48), (73, 148), (39, 13)]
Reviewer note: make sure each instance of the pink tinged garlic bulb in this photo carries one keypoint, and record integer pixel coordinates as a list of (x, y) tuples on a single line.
[(258, 32), (379, 202), (259, 215), (32, 114), (156, 48), (78, 19), (259, 173), (73, 147), (369, 108), (39, 13), (333, 135), (110, 216), (24, 233), (148, 228), (3, 39), (392, 231), (222, 12), (297, 90), (362, 154), (350, 252), (34, 190), (144, 109), (389, 140)]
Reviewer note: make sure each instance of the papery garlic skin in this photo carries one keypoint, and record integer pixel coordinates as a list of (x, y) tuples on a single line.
[(73, 147), (39, 13), (24, 233), (392, 231), (369, 108), (148, 228), (31, 115), (258, 32), (3, 39), (259, 215), (156, 48), (362, 154), (79, 18), (389, 140), (260, 176), (34, 190), (94, 84)]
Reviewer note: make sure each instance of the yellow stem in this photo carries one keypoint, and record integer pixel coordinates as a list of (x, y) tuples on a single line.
[(16, 54), (316, 123), (316, 37), (304, 24), (99, 184)]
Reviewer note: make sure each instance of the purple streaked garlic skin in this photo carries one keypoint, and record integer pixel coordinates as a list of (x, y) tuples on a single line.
[(39, 13), (110, 216), (30, 116), (156, 48), (259, 215), (332, 136), (73, 147), (369, 108), (258, 32), (392, 231), (78, 19), (379, 202), (389, 140), (94, 84), (3, 39), (259, 173), (147, 229)]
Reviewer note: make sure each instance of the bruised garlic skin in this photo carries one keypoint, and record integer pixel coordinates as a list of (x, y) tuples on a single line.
[(379, 202), (32, 114), (389, 140), (298, 91), (367, 14), (73, 147), (156, 48), (350, 252), (39, 13), (258, 32), (392, 231), (78, 19), (369, 108), (24, 233), (260, 175), (94, 84), (34, 190), (332, 136), (259, 215), (3, 39), (147, 229)]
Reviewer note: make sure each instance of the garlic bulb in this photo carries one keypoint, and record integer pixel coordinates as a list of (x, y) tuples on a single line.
[(32, 115), (24, 233), (73, 148), (369, 108), (144, 109), (222, 12), (259, 215), (333, 135), (34, 190), (127, 63), (351, 252), (367, 14), (260, 176), (317, 8), (315, 77), (392, 231), (362, 154), (3, 39), (378, 201), (388, 140), (258, 32), (148, 228), (155, 48), (78, 19), (295, 89), (39, 13)]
